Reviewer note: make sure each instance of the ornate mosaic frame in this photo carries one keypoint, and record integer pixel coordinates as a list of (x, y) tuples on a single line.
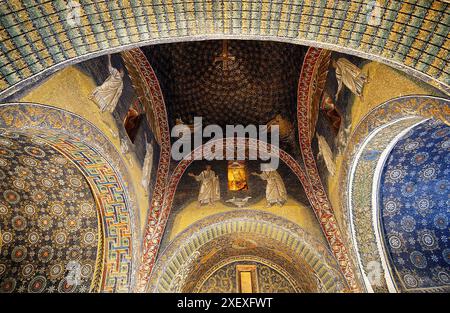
[(360, 162), (183, 248), (321, 204), (362, 188), (103, 167), (136, 59), (411, 35)]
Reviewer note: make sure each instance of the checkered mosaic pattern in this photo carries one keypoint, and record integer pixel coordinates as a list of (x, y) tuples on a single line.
[(36, 35)]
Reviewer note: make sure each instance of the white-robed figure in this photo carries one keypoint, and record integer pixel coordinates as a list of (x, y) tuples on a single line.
[(209, 188), (326, 154), (148, 164), (107, 95), (350, 75), (275, 188)]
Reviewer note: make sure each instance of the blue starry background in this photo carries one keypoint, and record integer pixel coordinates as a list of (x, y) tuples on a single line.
[(415, 205)]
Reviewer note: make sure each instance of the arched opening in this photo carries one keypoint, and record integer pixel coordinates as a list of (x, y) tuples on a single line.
[(81, 239), (209, 255), (387, 248)]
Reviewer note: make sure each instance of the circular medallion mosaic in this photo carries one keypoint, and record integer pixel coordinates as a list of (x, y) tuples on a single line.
[(48, 218)]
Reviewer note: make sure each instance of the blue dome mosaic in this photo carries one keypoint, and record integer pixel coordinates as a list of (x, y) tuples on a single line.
[(414, 208)]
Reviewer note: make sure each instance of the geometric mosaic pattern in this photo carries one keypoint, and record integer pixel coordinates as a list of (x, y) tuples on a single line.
[(105, 177), (414, 200), (49, 223), (111, 198), (36, 36), (260, 82)]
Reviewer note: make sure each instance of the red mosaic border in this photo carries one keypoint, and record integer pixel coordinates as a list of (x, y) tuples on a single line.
[(139, 61), (157, 229), (321, 204)]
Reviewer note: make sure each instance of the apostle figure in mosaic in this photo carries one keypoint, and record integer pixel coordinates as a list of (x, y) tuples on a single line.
[(107, 95), (349, 75), (326, 154), (331, 111), (342, 138), (125, 149), (148, 164), (209, 188), (275, 188)]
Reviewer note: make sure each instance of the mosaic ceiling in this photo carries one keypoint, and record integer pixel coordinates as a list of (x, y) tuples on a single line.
[(48, 214), (41, 35), (414, 199), (195, 258), (256, 81), (269, 280), (48, 220), (102, 167)]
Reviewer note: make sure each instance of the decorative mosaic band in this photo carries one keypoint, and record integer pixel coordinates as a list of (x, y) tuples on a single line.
[(39, 36), (176, 256), (137, 62), (321, 204), (112, 200)]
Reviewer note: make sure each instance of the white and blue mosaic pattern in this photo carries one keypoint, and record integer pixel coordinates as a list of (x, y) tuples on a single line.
[(415, 207)]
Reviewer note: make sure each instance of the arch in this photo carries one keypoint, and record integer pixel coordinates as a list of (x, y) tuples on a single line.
[(370, 145), (197, 243), (157, 225), (230, 261), (363, 181), (50, 218), (149, 92), (309, 90), (412, 208), (418, 46), (103, 168)]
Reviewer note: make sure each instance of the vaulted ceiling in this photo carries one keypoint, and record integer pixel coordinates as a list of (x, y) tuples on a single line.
[(48, 219), (414, 212), (257, 81), (38, 37)]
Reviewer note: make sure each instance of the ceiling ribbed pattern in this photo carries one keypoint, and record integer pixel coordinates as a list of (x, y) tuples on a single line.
[(36, 34)]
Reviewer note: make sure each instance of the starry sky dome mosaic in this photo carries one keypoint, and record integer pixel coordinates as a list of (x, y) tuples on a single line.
[(415, 206)]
